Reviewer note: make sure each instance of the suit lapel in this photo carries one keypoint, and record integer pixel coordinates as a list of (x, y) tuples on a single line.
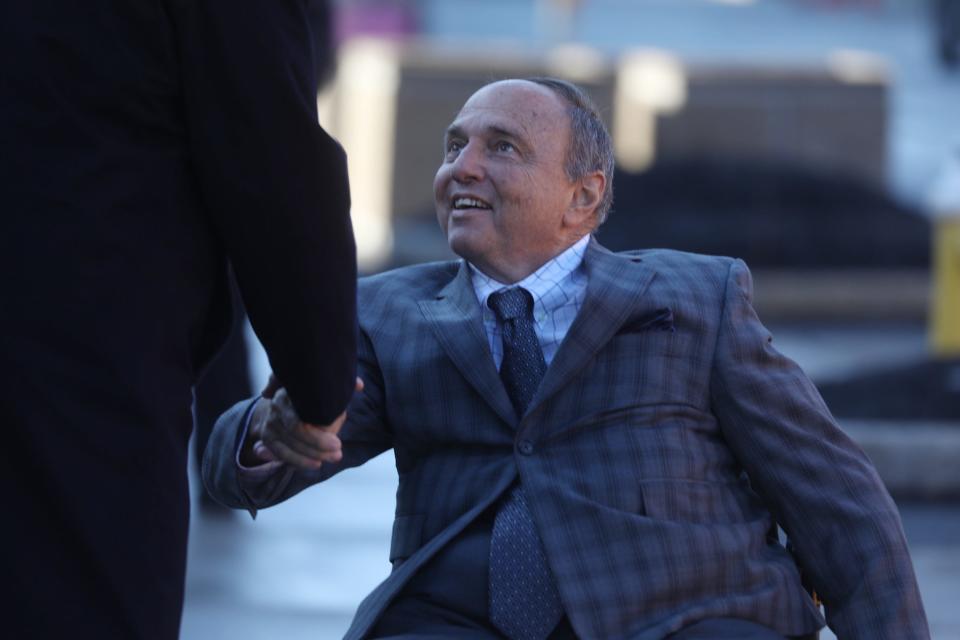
[(614, 293), (454, 315)]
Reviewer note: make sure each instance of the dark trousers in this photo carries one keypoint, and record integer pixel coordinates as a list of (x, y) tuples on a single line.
[(726, 629), (412, 619), (448, 597)]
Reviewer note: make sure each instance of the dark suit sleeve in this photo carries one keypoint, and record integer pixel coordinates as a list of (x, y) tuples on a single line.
[(365, 434), (820, 485), (274, 186)]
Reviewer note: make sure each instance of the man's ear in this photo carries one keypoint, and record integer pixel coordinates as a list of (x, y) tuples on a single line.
[(586, 199)]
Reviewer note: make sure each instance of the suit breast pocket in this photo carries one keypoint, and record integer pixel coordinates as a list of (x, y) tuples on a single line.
[(655, 367)]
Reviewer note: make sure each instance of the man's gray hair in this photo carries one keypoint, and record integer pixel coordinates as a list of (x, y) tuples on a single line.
[(590, 146)]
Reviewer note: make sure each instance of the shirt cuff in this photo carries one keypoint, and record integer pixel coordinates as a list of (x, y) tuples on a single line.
[(252, 476)]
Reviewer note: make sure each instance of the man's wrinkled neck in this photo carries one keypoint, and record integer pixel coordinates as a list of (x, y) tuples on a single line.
[(509, 274)]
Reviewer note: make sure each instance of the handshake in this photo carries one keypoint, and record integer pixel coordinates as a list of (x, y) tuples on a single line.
[(276, 433)]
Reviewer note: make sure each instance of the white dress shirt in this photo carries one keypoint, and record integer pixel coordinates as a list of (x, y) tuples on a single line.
[(558, 289)]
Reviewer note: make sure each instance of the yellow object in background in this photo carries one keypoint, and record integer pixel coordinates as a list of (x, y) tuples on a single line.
[(945, 316), (945, 209)]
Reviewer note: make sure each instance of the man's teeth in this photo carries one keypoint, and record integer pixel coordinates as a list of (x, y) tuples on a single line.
[(469, 203)]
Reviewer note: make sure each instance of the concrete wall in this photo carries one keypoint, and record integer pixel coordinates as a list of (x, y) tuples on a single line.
[(807, 116)]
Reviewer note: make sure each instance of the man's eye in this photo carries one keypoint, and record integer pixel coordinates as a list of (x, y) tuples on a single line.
[(454, 146), (505, 146)]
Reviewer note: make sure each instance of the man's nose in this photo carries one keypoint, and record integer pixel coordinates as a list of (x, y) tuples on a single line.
[(468, 165)]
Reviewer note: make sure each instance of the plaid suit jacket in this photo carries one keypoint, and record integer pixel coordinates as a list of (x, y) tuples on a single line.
[(665, 438)]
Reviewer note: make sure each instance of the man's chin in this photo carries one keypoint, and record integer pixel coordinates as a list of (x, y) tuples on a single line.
[(464, 243)]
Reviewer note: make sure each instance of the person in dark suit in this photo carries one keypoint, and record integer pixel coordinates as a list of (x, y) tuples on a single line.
[(226, 377), (144, 144), (589, 444)]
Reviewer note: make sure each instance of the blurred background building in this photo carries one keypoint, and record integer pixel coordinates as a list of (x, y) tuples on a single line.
[(817, 139)]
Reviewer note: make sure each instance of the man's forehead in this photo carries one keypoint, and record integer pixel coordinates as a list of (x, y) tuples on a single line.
[(492, 119), (516, 106)]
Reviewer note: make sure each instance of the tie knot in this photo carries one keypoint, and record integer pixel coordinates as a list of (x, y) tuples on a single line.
[(508, 304)]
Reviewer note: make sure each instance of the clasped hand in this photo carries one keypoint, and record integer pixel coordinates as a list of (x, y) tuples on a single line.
[(276, 432)]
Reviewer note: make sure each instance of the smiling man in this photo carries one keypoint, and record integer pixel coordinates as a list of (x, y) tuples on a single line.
[(504, 194), (588, 444)]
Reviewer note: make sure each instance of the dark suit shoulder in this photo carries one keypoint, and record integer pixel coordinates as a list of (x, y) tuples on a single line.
[(673, 258), (415, 281), (685, 271)]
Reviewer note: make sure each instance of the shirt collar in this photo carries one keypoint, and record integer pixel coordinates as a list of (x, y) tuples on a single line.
[(538, 283)]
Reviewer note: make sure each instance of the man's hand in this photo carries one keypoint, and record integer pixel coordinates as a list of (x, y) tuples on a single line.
[(273, 385), (277, 433)]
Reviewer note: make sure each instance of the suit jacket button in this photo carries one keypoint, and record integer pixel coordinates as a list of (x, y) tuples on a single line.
[(525, 447)]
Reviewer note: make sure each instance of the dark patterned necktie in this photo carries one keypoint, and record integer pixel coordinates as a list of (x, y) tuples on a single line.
[(524, 603)]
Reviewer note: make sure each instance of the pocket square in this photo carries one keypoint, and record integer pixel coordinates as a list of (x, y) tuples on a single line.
[(660, 320)]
